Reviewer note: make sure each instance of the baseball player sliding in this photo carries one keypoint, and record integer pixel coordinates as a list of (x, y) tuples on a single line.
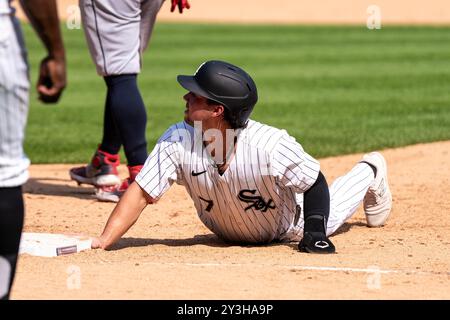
[(250, 183)]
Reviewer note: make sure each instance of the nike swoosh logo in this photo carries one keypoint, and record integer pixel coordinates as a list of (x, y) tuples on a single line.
[(194, 174)]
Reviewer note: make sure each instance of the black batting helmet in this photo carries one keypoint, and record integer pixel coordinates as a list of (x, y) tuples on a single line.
[(226, 84)]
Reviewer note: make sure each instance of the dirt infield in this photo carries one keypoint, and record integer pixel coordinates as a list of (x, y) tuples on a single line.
[(169, 254)]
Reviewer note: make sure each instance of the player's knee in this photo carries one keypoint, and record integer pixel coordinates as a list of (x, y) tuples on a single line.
[(124, 97), (121, 80)]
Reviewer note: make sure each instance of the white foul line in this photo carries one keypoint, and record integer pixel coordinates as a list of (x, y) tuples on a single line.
[(296, 267)]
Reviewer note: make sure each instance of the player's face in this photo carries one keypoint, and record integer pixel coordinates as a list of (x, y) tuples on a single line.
[(197, 108)]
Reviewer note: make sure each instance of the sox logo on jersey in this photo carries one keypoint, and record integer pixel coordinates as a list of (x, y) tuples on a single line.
[(256, 202)]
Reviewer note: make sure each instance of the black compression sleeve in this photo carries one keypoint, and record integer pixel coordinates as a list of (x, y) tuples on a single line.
[(317, 206)]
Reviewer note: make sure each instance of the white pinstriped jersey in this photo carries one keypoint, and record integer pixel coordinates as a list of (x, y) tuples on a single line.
[(4, 7), (255, 199), (14, 88)]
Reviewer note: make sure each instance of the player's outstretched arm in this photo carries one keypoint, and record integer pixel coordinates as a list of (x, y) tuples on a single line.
[(124, 215), (43, 16)]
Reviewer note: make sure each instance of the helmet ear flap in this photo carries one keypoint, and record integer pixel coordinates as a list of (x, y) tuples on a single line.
[(233, 118), (244, 113), (240, 117)]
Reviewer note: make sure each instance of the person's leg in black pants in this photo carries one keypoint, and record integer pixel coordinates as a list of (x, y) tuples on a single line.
[(11, 224)]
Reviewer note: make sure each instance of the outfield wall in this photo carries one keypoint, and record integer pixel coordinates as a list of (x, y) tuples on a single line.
[(302, 11)]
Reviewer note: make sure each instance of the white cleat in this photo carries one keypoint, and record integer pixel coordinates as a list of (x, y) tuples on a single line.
[(378, 199)]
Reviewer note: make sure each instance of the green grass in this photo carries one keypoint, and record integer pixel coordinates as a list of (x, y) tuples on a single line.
[(336, 89)]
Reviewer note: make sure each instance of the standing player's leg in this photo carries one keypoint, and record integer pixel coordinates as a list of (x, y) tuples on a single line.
[(11, 224), (112, 30), (366, 182), (111, 141), (131, 122), (14, 95), (129, 116), (149, 11), (102, 170)]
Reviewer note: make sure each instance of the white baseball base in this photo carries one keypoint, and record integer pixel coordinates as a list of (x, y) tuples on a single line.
[(52, 245)]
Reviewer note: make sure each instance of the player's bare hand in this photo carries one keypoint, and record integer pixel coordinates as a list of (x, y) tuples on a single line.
[(182, 4), (96, 243), (52, 79)]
